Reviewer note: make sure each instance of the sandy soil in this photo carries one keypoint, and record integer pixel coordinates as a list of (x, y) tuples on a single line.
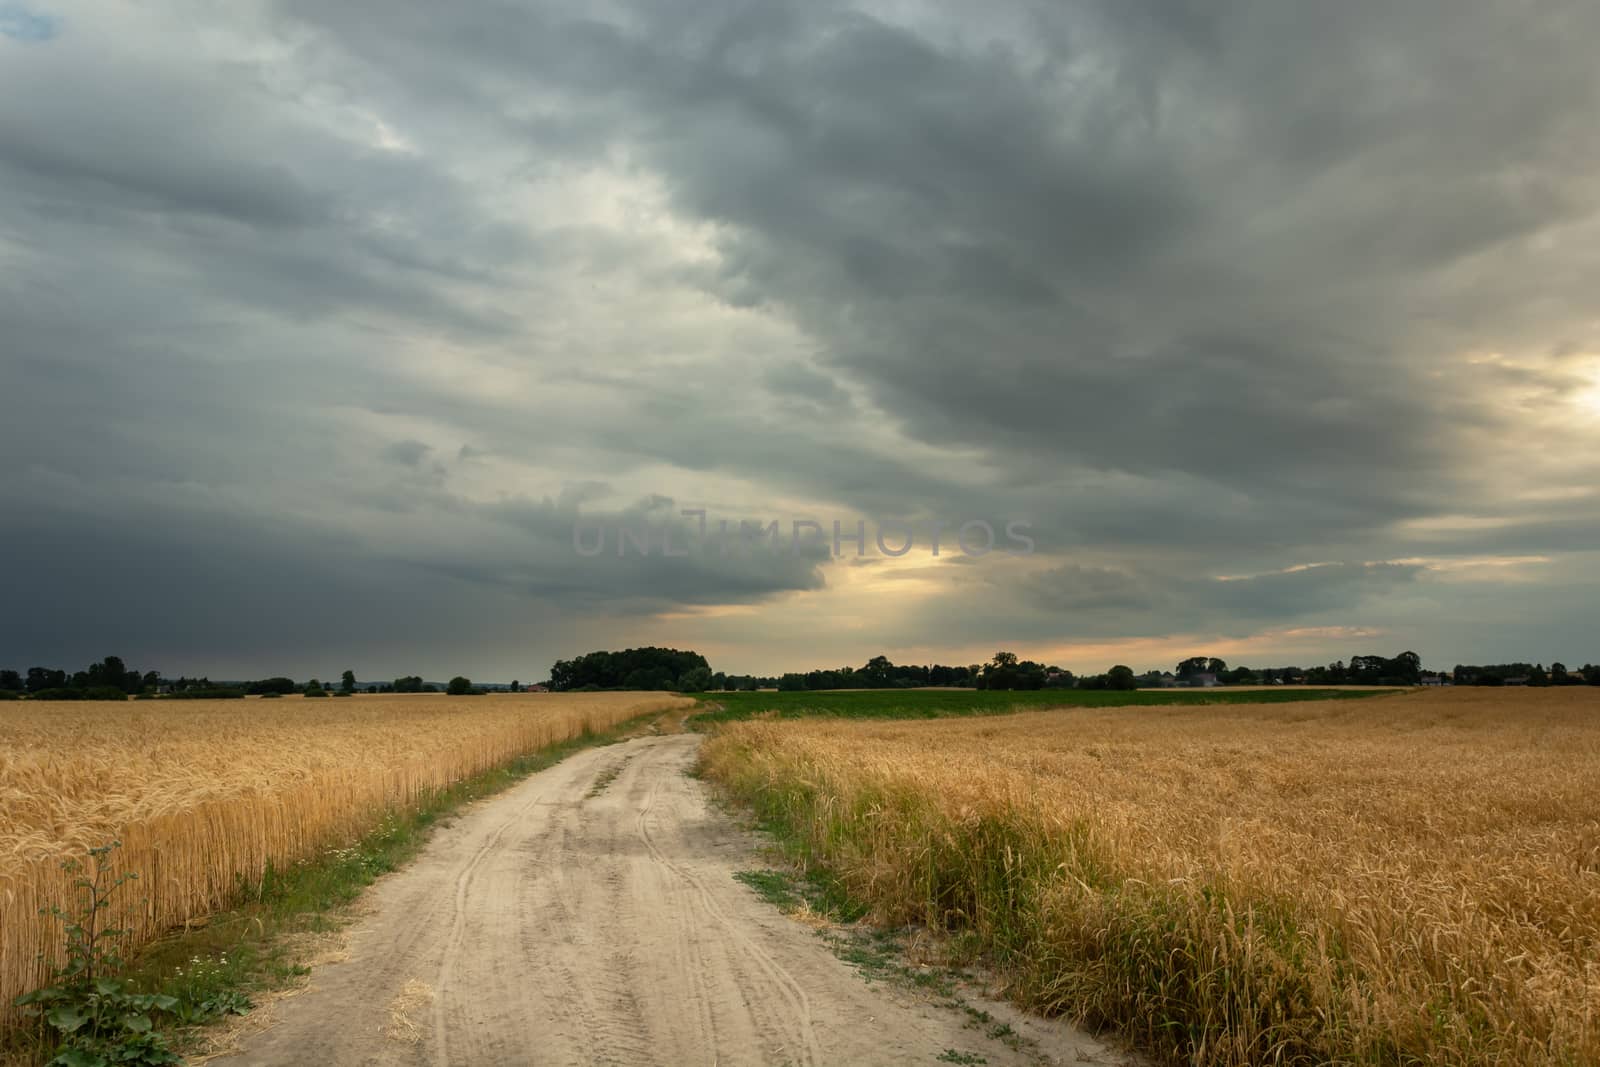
[(590, 916)]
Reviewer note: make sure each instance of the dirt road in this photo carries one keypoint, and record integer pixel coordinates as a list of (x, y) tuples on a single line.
[(590, 916)]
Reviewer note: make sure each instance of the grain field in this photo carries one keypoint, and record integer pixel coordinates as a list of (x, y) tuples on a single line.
[(204, 795), (1410, 879)]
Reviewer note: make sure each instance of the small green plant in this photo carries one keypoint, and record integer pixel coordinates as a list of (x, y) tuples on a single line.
[(204, 992), (775, 887), (98, 1019)]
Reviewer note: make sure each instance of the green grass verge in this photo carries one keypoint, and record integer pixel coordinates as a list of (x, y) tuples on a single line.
[(937, 703), (1163, 967), (214, 969), (877, 953)]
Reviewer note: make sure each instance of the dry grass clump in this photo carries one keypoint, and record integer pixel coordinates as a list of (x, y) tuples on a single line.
[(205, 794), (1406, 880)]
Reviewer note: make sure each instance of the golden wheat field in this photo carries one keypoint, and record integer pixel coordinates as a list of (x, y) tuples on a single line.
[(204, 793), (1407, 879)]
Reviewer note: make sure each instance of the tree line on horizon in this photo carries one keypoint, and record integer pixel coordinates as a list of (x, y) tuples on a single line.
[(676, 670), (668, 669), (112, 679)]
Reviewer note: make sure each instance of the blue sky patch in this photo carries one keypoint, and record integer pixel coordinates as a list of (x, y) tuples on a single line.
[(21, 24)]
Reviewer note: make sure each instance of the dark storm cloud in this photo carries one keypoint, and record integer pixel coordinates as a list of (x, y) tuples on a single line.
[(1143, 601), (1196, 289), (406, 453), (1017, 251), (178, 586)]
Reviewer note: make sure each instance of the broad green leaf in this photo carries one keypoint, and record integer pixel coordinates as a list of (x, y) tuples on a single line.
[(66, 1018), (77, 1057)]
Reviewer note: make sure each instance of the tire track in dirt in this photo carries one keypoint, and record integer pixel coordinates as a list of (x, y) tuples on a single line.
[(589, 915), (777, 978)]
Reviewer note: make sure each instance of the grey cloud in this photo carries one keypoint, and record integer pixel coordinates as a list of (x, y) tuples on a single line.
[(1077, 588), (406, 453), (1107, 283), (1192, 288), (1293, 594), (261, 195), (796, 381), (1147, 601)]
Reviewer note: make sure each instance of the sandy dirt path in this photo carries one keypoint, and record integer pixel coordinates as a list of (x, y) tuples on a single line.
[(589, 915)]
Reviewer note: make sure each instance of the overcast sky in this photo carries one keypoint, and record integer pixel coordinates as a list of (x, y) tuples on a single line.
[(323, 324)]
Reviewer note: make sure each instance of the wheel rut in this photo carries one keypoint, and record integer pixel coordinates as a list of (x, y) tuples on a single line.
[(589, 915)]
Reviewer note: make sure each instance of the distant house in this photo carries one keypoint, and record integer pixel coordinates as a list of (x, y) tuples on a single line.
[(1203, 680), (536, 689), (1429, 678), (1521, 679)]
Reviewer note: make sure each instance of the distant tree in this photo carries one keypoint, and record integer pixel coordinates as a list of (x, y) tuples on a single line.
[(876, 673), (1498, 674), (516, 685), (372, 690), (1404, 669), (695, 680), (459, 686), (313, 687), (632, 668), (271, 685), (1121, 677), (42, 678), (109, 672), (644, 678), (412, 683), (347, 682), (1004, 671), (10, 681)]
